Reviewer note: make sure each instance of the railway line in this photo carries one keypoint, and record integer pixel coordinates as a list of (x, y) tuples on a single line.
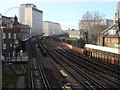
[(99, 73), (58, 54), (89, 74), (37, 75), (91, 84), (105, 69)]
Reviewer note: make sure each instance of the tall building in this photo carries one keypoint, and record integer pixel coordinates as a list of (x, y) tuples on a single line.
[(30, 15), (51, 28)]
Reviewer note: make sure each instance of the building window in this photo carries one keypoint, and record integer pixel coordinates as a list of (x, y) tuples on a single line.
[(4, 46), (15, 35), (4, 35), (9, 35)]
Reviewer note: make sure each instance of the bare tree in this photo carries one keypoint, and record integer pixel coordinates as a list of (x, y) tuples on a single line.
[(92, 24)]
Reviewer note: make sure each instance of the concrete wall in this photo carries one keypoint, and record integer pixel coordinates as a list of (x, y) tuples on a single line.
[(102, 56), (79, 50), (98, 55)]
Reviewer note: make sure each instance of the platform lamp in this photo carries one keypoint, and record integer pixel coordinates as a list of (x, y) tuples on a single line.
[(2, 32)]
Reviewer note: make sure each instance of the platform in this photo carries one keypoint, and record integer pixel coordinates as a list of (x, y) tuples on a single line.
[(16, 60)]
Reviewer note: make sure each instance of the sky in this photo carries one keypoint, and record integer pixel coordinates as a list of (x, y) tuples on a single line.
[(65, 12)]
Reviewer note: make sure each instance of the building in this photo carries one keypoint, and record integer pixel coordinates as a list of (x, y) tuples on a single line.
[(25, 31), (51, 28), (74, 34), (92, 28), (65, 32), (30, 15), (105, 22), (5, 22), (111, 36), (12, 32)]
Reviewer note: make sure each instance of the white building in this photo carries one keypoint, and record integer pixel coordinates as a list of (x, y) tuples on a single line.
[(105, 22), (30, 15), (51, 28)]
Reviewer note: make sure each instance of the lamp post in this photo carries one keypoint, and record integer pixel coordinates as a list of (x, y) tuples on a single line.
[(2, 40)]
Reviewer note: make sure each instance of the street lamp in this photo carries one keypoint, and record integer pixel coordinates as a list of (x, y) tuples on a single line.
[(2, 41), (2, 37)]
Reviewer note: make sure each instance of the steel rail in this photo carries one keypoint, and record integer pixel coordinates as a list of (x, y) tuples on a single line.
[(82, 73), (41, 70), (93, 68)]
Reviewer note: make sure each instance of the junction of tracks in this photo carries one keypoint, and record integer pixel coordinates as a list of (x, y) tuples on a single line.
[(53, 66)]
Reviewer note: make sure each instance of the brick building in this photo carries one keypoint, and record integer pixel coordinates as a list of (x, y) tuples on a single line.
[(74, 34), (111, 36), (12, 33)]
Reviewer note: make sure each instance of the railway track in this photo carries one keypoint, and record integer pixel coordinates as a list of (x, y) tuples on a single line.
[(115, 73), (60, 52), (95, 70), (105, 69), (37, 75), (87, 82)]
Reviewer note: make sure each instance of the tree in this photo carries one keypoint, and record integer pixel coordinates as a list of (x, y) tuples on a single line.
[(92, 24)]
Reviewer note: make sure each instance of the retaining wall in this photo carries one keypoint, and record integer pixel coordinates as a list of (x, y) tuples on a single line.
[(102, 56)]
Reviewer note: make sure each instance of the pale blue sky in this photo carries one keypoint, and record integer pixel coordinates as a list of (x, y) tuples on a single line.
[(66, 13)]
